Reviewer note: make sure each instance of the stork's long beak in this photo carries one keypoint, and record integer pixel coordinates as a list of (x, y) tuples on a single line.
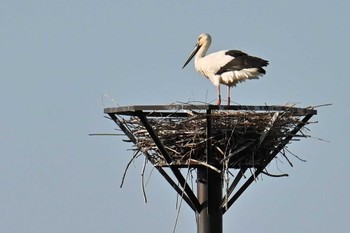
[(195, 50)]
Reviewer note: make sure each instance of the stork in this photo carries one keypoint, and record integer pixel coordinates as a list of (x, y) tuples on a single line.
[(227, 67)]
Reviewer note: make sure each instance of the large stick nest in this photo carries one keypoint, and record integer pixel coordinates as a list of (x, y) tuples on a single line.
[(237, 138)]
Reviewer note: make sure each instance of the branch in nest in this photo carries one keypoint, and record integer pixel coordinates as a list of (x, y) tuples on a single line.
[(204, 164)]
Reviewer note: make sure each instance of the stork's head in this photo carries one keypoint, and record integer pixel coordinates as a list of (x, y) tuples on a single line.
[(204, 40)]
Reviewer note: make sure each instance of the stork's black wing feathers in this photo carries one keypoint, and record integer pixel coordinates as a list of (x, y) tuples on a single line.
[(235, 53), (241, 60)]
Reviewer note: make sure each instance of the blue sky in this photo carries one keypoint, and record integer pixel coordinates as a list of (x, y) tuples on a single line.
[(62, 62)]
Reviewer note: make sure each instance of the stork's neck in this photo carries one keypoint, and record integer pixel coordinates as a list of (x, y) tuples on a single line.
[(202, 51)]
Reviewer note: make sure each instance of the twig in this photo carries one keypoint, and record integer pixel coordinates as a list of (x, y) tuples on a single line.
[(143, 180), (236, 152), (303, 160), (136, 154), (106, 134), (268, 128), (268, 174), (149, 177), (183, 192), (284, 155), (193, 161), (321, 105)]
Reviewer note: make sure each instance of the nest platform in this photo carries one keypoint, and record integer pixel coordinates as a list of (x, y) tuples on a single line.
[(221, 143), (185, 135)]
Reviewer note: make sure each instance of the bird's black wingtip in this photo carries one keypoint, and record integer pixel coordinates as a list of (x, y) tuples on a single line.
[(261, 71), (265, 63)]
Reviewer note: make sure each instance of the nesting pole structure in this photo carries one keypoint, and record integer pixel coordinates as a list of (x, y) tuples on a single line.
[(220, 142)]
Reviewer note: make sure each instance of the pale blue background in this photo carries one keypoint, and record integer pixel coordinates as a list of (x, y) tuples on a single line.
[(62, 62)]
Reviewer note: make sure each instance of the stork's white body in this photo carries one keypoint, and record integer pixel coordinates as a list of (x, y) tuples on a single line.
[(209, 66), (227, 67)]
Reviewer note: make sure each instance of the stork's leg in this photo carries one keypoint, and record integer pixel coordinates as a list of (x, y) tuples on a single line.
[(219, 97), (228, 95)]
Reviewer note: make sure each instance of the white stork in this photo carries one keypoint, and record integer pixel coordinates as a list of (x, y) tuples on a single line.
[(227, 67)]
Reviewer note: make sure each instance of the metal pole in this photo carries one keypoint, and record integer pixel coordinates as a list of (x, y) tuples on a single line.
[(209, 190), (202, 193), (214, 201)]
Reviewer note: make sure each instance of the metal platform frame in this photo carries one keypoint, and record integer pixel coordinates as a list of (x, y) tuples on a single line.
[(209, 204)]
